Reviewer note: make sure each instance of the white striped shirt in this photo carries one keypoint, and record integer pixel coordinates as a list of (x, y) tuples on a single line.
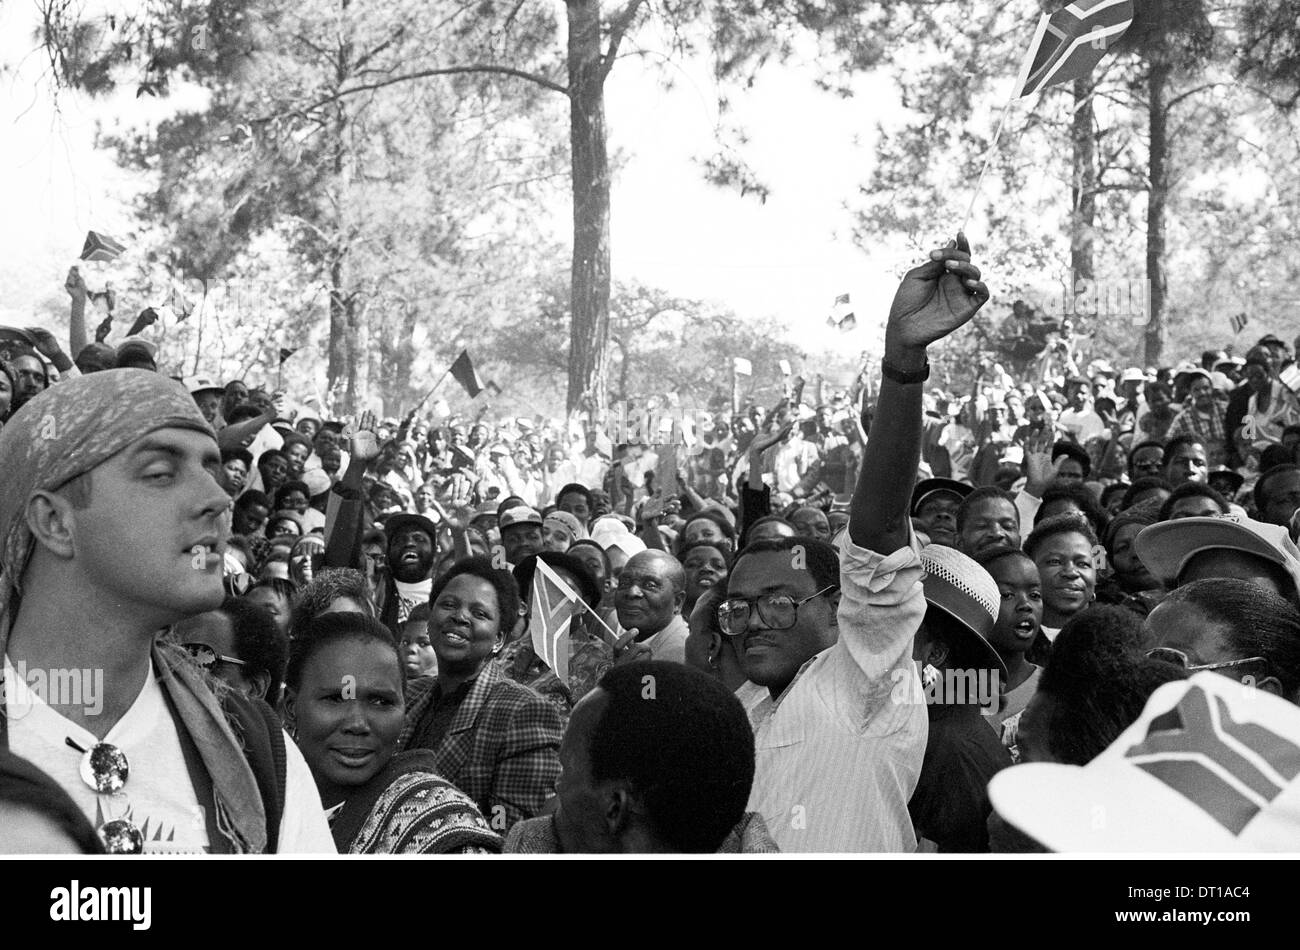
[(839, 753)]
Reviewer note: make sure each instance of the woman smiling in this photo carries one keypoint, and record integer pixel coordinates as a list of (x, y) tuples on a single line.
[(346, 710), (497, 740)]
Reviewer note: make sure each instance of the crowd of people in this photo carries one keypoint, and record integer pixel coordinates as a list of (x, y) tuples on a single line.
[(831, 625)]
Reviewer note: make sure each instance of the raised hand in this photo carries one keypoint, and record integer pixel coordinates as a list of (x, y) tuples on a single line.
[(44, 342), (75, 285), (935, 298), (363, 442), (765, 441), (1039, 468)]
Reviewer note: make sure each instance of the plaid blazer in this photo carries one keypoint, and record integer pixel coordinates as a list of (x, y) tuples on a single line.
[(502, 749)]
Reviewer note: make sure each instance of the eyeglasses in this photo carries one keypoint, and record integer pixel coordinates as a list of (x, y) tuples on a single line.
[(208, 658), (105, 769), (1179, 658), (777, 611)]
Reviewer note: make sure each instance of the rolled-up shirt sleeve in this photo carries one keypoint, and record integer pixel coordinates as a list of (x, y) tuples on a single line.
[(882, 604)]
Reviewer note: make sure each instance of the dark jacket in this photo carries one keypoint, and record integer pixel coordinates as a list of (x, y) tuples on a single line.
[(502, 749)]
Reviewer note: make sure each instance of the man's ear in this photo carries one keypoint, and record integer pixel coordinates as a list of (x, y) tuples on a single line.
[(618, 810), (290, 713), (939, 651), (1271, 684), (52, 521), (833, 602), (679, 600), (260, 683)]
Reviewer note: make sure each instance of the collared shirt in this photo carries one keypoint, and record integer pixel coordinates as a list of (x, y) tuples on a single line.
[(670, 642), (1205, 427), (839, 752)]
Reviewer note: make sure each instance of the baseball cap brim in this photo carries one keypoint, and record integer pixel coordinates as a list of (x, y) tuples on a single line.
[(1165, 548), (931, 486), (395, 523)]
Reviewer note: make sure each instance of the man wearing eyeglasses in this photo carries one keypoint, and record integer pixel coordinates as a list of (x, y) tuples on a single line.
[(113, 526), (838, 755)]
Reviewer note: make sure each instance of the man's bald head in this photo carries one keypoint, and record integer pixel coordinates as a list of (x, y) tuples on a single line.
[(661, 562), (651, 590)]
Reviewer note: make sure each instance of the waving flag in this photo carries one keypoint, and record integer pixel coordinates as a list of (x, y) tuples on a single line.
[(1238, 322), (100, 247), (1071, 42), (463, 371), (554, 604)]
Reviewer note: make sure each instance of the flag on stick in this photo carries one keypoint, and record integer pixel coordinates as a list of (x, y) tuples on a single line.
[(286, 353), (463, 371), (841, 316), (1238, 322), (1069, 43), (742, 366), (554, 605), (100, 247)]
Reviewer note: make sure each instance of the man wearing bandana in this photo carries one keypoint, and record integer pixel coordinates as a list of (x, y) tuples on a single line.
[(113, 528)]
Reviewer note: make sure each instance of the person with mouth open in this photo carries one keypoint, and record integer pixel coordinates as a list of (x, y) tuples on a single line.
[(113, 526), (412, 552), (494, 739), (346, 709), (1020, 616)]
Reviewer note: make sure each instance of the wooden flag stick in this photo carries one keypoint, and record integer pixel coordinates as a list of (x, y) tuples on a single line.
[(988, 160), (613, 637), (431, 391)]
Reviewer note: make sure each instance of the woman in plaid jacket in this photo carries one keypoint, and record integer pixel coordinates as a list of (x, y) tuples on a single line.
[(494, 739)]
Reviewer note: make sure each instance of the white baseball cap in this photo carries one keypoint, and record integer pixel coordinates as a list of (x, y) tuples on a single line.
[(1210, 765), (1166, 547)]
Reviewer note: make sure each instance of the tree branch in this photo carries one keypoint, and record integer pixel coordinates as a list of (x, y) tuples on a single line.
[(619, 24), (444, 71)]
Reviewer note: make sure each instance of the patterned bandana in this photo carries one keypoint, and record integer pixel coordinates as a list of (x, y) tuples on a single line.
[(68, 430)]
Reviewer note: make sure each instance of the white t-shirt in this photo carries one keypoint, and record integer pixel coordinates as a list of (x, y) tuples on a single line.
[(159, 795), (410, 596)]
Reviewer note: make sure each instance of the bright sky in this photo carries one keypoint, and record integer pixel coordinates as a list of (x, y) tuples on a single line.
[(787, 258)]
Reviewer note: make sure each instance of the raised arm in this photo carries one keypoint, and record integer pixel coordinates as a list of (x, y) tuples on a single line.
[(76, 288), (933, 300)]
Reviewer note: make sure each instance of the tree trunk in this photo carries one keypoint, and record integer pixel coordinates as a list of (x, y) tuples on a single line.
[(1083, 195), (336, 368), (1158, 173), (589, 299)]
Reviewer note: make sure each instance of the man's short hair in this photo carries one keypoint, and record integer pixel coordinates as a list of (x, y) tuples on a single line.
[(1191, 490), (1076, 452), (1177, 442), (1083, 498), (686, 749), (253, 497), (1148, 444), (242, 413), (1059, 524), (1260, 491), (575, 487), (1099, 682), (1145, 484), (978, 495), (822, 560)]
